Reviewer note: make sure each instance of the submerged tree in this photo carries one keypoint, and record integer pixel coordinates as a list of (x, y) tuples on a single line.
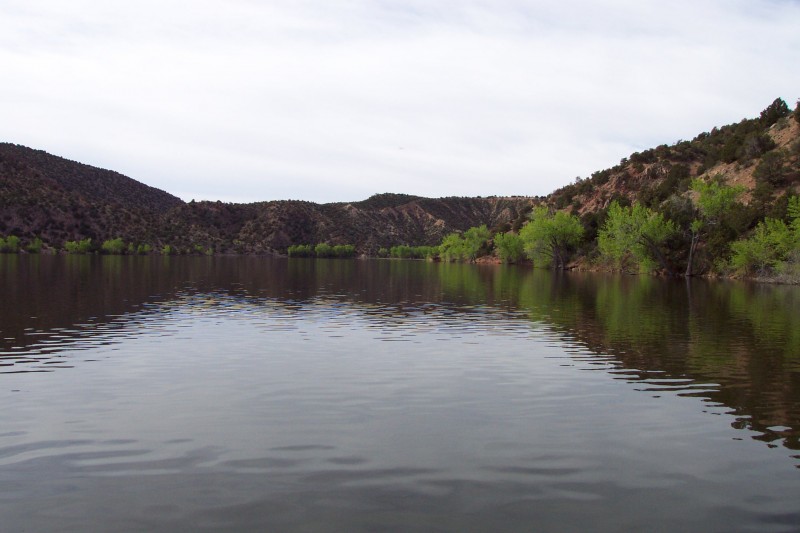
[(548, 236)]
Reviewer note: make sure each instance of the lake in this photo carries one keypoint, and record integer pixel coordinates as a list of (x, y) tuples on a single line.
[(246, 393)]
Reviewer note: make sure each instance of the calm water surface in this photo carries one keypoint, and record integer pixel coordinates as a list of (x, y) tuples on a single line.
[(191, 394)]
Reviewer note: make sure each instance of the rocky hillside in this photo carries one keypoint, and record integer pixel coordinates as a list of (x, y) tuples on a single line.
[(762, 154), (58, 200), (381, 221)]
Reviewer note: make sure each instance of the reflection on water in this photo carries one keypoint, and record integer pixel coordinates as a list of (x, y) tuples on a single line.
[(363, 395)]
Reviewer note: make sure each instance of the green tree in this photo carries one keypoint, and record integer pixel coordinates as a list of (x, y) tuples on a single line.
[(10, 244), (113, 246), (344, 250), (636, 232), (323, 249), (300, 250), (772, 168), (403, 251), (35, 246), (771, 243), (509, 246), (548, 236), (474, 239), (713, 201), (78, 247), (453, 247), (774, 112)]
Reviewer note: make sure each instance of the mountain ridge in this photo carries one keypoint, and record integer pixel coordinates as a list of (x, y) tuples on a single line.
[(58, 200)]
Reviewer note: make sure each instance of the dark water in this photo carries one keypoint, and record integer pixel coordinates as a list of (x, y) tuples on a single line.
[(191, 394)]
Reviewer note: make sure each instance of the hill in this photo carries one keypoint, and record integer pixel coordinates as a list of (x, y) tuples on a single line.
[(759, 155), (46, 196), (59, 200)]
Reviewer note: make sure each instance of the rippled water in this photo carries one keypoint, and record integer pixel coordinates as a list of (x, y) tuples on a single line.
[(185, 394)]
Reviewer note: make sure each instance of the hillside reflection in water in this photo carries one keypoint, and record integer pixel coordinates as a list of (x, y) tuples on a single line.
[(734, 348)]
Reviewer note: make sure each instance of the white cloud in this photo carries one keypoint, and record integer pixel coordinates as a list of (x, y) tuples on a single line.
[(332, 101)]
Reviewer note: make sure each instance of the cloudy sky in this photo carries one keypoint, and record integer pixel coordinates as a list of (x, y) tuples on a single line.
[(327, 100)]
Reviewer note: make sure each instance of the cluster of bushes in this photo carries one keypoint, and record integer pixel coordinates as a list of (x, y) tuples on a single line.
[(467, 247), (322, 250), (119, 247), (773, 248), (9, 245), (13, 244), (78, 247), (410, 252)]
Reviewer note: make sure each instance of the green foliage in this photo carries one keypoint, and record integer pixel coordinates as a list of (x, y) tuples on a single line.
[(474, 239), (754, 146), (467, 247), (635, 234), (773, 168), (144, 249), (413, 252), (774, 112), (113, 246), (168, 249), (548, 237), (720, 219), (509, 246), (714, 198), (323, 249), (301, 250), (453, 247), (199, 249), (344, 250), (10, 244), (383, 252), (78, 247), (35, 246), (772, 245)]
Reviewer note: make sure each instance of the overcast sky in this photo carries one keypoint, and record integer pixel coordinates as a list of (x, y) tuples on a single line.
[(329, 100)]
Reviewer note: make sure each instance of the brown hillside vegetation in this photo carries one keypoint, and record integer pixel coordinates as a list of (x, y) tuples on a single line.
[(59, 200)]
